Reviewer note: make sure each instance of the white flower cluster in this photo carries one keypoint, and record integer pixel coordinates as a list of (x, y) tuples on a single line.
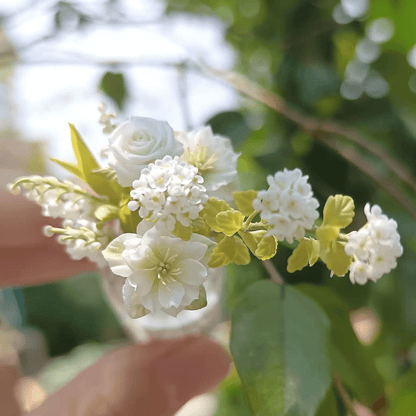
[(169, 191), (374, 247), (163, 272), (288, 205)]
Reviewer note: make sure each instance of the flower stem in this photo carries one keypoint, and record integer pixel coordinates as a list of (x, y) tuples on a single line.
[(274, 274), (339, 385)]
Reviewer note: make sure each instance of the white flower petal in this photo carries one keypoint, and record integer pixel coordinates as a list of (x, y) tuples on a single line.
[(192, 272), (171, 294)]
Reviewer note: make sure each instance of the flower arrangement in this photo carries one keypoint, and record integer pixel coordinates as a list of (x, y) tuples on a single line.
[(166, 212)]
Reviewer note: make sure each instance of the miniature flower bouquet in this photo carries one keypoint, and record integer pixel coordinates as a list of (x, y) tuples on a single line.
[(165, 216)]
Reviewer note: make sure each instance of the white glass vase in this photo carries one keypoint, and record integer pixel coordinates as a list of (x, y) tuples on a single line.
[(160, 325)]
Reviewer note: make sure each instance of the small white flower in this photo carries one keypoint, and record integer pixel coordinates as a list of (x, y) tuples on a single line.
[(163, 273), (169, 191), (136, 143), (374, 248), (212, 155), (288, 205), (106, 118)]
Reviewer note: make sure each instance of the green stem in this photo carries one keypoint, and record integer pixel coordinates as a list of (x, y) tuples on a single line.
[(250, 218), (255, 227)]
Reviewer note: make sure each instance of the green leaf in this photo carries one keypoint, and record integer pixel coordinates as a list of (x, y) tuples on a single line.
[(229, 250), (229, 222), (280, 345), (238, 278), (267, 248), (252, 238), (109, 185), (404, 405), (185, 233), (262, 247), (113, 85), (329, 406), (106, 212), (350, 359), (230, 124), (244, 201), (70, 167), (128, 220), (307, 252), (326, 234), (338, 211), (199, 303), (87, 163), (137, 311), (336, 259), (213, 207)]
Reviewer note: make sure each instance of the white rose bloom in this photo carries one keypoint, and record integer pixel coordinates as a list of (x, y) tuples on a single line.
[(213, 155), (136, 143), (163, 273)]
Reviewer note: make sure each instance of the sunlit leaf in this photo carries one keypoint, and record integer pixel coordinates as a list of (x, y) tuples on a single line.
[(229, 250), (244, 201), (229, 222), (338, 211), (307, 252)]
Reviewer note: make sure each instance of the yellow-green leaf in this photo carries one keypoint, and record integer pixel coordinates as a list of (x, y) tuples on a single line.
[(326, 234), (199, 303), (128, 220), (213, 207), (137, 311), (336, 259), (109, 185), (267, 248), (252, 238), (244, 201), (106, 212), (183, 232), (307, 252), (85, 159), (229, 250), (88, 166), (338, 211), (70, 167), (229, 222)]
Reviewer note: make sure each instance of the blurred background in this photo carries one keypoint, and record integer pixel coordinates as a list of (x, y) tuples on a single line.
[(328, 86)]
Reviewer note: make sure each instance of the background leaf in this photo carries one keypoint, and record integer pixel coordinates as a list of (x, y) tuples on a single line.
[(113, 85), (280, 344)]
